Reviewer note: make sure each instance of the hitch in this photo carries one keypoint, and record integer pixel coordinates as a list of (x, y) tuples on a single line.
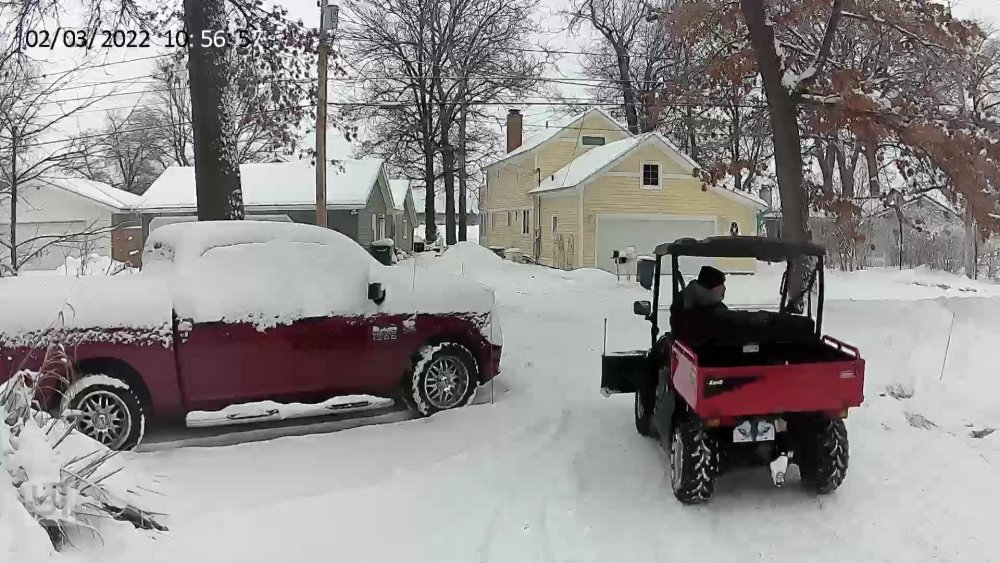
[(778, 468)]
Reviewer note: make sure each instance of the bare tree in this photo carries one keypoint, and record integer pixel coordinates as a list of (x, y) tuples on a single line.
[(31, 120), (428, 63), (126, 152)]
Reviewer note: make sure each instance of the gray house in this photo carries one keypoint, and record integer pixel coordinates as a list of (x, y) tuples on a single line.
[(404, 214), (359, 201)]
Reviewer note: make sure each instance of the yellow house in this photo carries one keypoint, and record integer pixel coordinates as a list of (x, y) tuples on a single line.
[(576, 193)]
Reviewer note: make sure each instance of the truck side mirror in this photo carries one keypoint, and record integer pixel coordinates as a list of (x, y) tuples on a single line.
[(643, 309), (376, 293)]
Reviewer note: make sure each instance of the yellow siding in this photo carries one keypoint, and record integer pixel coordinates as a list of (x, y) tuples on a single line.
[(567, 210), (509, 182), (678, 196)]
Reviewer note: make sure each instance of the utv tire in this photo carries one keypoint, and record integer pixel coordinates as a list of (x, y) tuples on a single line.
[(443, 377), (694, 462), (109, 412), (822, 454), (644, 413)]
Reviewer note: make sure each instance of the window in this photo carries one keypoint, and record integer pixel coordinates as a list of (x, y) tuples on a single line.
[(406, 232), (517, 216), (555, 224), (526, 222), (591, 141), (651, 175), (508, 219)]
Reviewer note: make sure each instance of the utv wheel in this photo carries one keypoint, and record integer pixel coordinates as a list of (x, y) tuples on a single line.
[(822, 454), (694, 461), (443, 377), (644, 414), (108, 411)]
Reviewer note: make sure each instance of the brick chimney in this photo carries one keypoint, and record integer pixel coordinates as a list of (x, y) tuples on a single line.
[(515, 129)]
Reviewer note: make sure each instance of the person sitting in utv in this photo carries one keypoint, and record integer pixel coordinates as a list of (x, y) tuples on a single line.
[(706, 292)]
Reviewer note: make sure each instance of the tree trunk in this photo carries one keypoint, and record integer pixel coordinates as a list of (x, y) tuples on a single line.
[(971, 240), (784, 123), (463, 217), (14, 266), (217, 174), (628, 92), (430, 224), (871, 158), (448, 168), (787, 141)]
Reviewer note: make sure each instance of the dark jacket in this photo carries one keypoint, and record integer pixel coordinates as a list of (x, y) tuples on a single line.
[(696, 296)]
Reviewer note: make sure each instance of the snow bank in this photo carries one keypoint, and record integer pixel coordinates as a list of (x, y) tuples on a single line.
[(274, 273), (22, 540), (138, 305)]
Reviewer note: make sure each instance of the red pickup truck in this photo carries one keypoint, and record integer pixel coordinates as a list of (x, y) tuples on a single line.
[(226, 313)]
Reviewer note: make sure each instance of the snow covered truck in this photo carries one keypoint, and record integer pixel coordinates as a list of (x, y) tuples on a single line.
[(249, 313), (729, 388)]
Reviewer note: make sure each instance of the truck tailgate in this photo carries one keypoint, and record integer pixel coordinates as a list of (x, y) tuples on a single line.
[(829, 386)]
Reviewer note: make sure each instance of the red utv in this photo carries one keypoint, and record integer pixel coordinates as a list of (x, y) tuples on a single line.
[(725, 389)]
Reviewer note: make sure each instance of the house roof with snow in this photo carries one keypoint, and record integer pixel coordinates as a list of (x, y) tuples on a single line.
[(399, 189), (551, 132), (275, 185), (97, 192), (591, 164)]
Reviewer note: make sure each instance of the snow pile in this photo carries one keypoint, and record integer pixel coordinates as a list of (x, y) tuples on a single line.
[(271, 411), (56, 479), (113, 308), (274, 273), (92, 265)]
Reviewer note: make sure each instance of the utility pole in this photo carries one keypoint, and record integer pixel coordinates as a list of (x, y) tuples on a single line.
[(328, 16)]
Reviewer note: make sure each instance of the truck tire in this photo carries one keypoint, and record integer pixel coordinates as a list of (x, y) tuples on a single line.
[(443, 377), (822, 454), (694, 462), (108, 411)]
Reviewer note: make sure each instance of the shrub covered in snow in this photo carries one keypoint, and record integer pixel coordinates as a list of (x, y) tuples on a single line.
[(56, 484)]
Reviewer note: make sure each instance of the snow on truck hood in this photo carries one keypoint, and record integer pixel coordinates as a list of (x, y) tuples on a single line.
[(31, 305)]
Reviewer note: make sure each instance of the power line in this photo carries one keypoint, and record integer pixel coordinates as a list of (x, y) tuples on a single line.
[(90, 67)]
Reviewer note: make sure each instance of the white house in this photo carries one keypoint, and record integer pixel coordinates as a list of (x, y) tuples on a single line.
[(358, 198), (62, 217)]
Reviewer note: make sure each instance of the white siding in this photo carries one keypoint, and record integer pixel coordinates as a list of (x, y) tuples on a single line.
[(53, 211)]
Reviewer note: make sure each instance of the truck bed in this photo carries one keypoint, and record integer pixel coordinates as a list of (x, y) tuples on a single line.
[(823, 376)]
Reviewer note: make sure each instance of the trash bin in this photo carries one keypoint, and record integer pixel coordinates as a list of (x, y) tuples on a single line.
[(384, 251), (645, 268), (418, 246)]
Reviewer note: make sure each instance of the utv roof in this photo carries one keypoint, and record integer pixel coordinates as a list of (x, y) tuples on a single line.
[(763, 249)]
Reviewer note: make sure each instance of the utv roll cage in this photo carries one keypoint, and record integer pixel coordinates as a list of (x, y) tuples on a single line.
[(807, 255)]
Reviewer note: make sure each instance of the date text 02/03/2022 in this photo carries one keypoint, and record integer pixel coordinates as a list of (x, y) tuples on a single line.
[(135, 38)]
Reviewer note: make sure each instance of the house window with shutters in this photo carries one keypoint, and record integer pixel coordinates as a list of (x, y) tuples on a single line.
[(526, 222), (650, 176)]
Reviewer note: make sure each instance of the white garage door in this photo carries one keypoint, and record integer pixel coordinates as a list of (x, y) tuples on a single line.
[(618, 233)]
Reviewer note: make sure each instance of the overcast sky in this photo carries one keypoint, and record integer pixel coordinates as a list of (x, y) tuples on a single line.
[(125, 78)]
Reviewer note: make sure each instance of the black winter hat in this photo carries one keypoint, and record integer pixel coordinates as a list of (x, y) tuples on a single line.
[(710, 278)]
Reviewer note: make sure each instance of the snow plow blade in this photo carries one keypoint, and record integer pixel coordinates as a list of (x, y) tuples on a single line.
[(622, 371)]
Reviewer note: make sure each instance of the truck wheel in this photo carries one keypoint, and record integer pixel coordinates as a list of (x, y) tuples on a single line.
[(694, 462), (822, 454), (107, 410), (443, 377)]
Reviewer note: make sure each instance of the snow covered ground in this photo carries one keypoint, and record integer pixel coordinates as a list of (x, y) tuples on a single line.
[(553, 471)]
